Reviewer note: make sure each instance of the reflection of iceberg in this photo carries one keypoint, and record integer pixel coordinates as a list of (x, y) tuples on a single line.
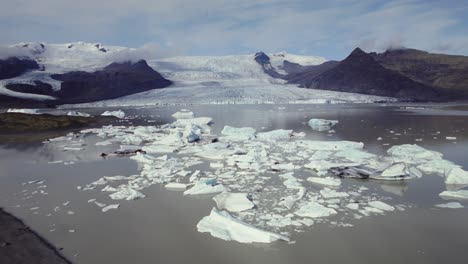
[(397, 188)]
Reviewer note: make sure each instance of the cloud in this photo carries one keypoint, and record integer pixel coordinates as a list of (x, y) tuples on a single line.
[(331, 28)]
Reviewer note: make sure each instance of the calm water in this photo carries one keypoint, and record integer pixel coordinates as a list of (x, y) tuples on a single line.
[(162, 227)]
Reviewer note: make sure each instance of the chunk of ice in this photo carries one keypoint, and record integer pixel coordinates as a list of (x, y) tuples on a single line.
[(222, 225), (451, 205), (461, 194), (118, 114), (110, 207), (127, 193), (314, 210), (381, 206), (457, 176), (176, 185), (322, 124), (274, 135), (328, 181), (183, 115), (233, 202)]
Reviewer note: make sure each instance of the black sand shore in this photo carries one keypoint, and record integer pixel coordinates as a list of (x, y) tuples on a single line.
[(21, 245)]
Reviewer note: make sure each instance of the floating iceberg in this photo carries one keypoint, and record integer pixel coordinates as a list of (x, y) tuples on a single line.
[(110, 207), (451, 205), (314, 210), (274, 135), (322, 124), (238, 134), (328, 181), (126, 193), (183, 115), (206, 186), (23, 111), (233, 202), (176, 185), (119, 113), (461, 194), (381, 206), (76, 113), (222, 225), (457, 176)]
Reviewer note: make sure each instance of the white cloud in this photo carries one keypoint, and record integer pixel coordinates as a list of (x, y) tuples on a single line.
[(331, 27)]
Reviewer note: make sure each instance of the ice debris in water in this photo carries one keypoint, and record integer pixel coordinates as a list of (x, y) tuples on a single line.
[(119, 113), (110, 207), (76, 113), (451, 205), (222, 225), (233, 202), (461, 194), (184, 114), (259, 176), (322, 124), (23, 111)]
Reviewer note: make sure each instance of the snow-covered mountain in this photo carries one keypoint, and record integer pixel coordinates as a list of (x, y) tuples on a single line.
[(197, 79), (234, 79), (88, 60)]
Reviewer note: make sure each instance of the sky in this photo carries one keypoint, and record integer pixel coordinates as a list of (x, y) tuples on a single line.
[(331, 28)]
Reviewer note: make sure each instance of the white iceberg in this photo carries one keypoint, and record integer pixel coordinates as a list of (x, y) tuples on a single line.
[(322, 124), (274, 135), (127, 193), (328, 181), (314, 210), (233, 202), (110, 207), (381, 206), (118, 113), (451, 205), (23, 111), (222, 225), (183, 115), (461, 194), (76, 113), (457, 176), (238, 134), (176, 185), (206, 186)]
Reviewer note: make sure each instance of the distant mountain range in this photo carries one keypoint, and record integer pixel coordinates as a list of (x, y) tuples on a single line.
[(407, 74), (47, 75)]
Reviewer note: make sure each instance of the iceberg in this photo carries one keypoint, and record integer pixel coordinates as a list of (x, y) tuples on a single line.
[(23, 111), (183, 115), (176, 185), (314, 210), (222, 225), (233, 202), (457, 176), (274, 135), (119, 114), (451, 205), (76, 113), (461, 194), (238, 134), (205, 187), (328, 181), (110, 207), (322, 124), (381, 206), (127, 193)]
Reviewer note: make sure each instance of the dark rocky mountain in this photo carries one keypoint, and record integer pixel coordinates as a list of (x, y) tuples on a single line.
[(13, 67), (448, 72), (366, 74), (115, 80), (263, 59)]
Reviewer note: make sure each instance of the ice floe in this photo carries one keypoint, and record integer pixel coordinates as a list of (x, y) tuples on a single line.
[(233, 202), (118, 113), (451, 205), (222, 225), (322, 124), (266, 185)]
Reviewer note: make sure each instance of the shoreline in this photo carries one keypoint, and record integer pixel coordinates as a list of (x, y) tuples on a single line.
[(20, 244)]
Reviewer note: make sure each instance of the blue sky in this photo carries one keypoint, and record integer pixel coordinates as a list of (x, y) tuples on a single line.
[(182, 27)]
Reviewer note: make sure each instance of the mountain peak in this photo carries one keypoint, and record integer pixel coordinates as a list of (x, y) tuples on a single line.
[(358, 56)]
